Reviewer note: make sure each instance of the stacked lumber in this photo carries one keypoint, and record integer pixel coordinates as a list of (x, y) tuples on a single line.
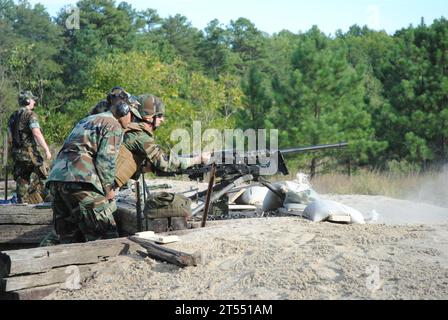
[(34, 273), (31, 274), (126, 219), (24, 224)]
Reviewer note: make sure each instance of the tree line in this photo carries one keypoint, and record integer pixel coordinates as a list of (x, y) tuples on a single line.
[(387, 95)]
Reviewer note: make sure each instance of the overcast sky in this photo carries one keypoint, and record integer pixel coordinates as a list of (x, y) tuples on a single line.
[(295, 15)]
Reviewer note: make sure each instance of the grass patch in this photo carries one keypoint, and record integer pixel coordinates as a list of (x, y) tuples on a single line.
[(389, 184)]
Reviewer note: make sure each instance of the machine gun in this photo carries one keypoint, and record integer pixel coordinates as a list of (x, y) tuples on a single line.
[(232, 162), (233, 168)]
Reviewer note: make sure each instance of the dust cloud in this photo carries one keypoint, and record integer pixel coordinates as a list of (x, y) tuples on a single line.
[(434, 191)]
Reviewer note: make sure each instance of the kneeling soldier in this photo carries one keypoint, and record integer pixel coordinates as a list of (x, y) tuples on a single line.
[(139, 153), (81, 180)]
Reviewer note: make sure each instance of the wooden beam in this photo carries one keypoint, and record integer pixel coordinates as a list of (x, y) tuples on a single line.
[(55, 276), (38, 260), (23, 234), (30, 294), (23, 209), (234, 196), (41, 217), (162, 253)]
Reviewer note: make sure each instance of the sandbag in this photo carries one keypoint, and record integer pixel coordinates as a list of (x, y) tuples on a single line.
[(253, 195), (272, 201), (300, 190), (167, 205), (320, 210)]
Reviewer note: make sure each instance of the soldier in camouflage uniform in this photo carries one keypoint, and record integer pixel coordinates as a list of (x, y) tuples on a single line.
[(82, 177), (24, 135), (139, 145)]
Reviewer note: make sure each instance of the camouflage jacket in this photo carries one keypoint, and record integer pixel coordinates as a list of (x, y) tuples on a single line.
[(140, 141), (89, 153), (20, 125)]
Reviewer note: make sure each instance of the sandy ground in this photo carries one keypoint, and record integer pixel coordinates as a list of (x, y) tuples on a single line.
[(394, 211), (404, 255), (285, 258)]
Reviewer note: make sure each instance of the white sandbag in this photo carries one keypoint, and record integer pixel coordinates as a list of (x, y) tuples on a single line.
[(304, 197), (253, 195), (300, 190), (320, 210), (356, 216), (317, 211), (272, 201)]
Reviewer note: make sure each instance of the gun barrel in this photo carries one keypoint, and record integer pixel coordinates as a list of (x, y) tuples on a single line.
[(314, 148)]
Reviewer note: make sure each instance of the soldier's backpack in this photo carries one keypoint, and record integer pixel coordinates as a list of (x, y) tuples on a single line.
[(167, 205)]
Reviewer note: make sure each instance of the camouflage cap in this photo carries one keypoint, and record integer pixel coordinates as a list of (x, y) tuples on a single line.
[(151, 106), (25, 96)]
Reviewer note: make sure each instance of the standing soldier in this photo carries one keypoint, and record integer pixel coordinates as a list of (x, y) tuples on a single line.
[(82, 178), (24, 136)]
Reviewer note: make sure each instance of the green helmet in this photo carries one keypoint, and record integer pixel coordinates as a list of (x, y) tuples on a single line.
[(25, 97), (151, 106)]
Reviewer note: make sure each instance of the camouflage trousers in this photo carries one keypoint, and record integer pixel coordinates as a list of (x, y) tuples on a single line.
[(22, 175), (81, 214)]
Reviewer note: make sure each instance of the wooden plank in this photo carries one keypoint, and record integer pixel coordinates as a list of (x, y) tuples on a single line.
[(55, 276), (41, 217), (23, 209), (175, 257), (236, 195), (241, 207), (38, 260), (30, 294), (159, 239), (340, 218), (23, 234)]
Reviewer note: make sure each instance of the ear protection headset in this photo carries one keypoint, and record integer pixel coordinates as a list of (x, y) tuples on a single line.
[(122, 110), (24, 100)]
